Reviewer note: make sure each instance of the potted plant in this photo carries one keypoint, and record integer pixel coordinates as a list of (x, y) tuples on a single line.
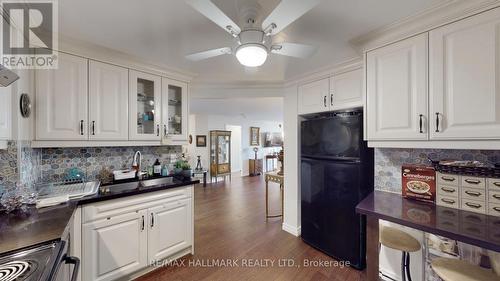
[(178, 168), (186, 170)]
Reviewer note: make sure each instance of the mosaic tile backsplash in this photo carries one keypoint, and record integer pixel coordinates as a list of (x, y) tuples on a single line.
[(8, 166), (388, 162), (99, 162)]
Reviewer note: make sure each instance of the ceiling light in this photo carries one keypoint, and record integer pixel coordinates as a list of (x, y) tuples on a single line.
[(251, 54)]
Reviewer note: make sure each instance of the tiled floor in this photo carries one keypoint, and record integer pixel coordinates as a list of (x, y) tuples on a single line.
[(230, 224)]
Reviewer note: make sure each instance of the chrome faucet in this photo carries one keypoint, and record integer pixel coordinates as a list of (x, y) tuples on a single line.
[(136, 162)]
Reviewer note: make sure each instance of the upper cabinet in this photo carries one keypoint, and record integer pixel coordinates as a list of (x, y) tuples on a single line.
[(314, 97), (397, 91), (346, 90), (108, 102), (61, 97), (465, 78), (5, 113), (174, 111), (145, 106)]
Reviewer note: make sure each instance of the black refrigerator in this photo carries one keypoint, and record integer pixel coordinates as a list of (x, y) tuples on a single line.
[(336, 174)]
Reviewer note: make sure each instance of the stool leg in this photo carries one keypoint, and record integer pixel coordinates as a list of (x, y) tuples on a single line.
[(407, 265), (403, 268)]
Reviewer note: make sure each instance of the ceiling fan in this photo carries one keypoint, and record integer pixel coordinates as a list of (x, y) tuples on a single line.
[(253, 43)]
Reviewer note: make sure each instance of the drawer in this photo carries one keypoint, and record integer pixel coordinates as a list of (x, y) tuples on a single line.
[(447, 179), (448, 191), (475, 194), (494, 184), (494, 196), (450, 202), (494, 209), (473, 182), (474, 229), (473, 206)]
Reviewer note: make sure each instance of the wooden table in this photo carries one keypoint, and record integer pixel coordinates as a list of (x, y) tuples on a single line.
[(468, 227), (279, 179)]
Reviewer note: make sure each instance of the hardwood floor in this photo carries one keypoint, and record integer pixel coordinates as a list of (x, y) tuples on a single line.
[(230, 224)]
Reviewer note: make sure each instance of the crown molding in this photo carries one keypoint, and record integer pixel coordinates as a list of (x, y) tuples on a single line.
[(431, 18), (112, 56)]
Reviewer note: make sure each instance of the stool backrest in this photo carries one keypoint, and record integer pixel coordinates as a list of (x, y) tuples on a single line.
[(495, 261)]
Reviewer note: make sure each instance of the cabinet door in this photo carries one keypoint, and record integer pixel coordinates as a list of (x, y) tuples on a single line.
[(314, 97), (397, 91), (5, 113), (61, 98), (464, 79), (346, 90), (170, 229), (108, 102), (114, 247), (145, 106), (174, 110)]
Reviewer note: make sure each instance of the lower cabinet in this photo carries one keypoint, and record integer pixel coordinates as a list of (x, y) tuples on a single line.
[(124, 236)]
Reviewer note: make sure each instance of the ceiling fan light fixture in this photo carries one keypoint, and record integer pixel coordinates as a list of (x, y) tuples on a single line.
[(251, 55)]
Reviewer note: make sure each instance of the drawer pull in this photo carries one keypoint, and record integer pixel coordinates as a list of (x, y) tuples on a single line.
[(473, 193), (473, 205), (449, 190), (497, 184), (472, 181), (496, 209), (496, 196), (448, 201), (448, 179)]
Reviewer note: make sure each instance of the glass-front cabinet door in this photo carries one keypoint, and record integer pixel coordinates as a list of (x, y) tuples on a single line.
[(174, 111), (145, 106)]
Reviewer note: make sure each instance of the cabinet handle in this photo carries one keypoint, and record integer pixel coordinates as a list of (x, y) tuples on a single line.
[(164, 130), (473, 205), (496, 196), (81, 127), (142, 228), (324, 100), (437, 122), (152, 220), (497, 183), (157, 130), (93, 128), (449, 190), (448, 179), (472, 181), (473, 193), (449, 201), (420, 123), (496, 209), (331, 99)]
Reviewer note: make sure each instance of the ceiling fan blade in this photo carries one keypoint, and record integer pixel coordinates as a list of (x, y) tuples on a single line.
[(213, 13), (209, 54), (287, 12), (294, 50)]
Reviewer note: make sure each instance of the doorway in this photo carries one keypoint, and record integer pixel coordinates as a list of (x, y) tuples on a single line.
[(236, 162)]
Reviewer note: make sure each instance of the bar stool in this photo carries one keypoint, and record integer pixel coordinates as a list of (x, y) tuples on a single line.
[(401, 241), (453, 269)]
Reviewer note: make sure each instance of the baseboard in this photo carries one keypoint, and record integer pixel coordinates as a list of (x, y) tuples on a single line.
[(295, 231)]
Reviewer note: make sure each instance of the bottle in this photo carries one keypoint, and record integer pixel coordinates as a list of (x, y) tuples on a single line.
[(164, 171), (157, 168)]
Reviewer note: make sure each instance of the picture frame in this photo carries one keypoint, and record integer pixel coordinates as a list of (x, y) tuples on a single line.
[(255, 136), (201, 141)]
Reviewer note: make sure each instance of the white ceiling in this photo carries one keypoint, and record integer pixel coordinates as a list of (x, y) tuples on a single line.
[(165, 31)]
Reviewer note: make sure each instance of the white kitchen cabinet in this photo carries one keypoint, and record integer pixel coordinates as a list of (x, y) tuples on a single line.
[(61, 98), (170, 229), (108, 102), (397, 91), (346, 90), (464, 79), (5, 113), (144, 106), (174, 111), (314, 97), (114, 246)]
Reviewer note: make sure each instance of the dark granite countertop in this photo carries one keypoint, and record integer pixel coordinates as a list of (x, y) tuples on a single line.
[(468, 227), (20, 229)]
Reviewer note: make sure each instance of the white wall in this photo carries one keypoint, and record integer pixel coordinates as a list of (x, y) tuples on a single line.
[(236, 161), (201, 124), (291, 222)]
